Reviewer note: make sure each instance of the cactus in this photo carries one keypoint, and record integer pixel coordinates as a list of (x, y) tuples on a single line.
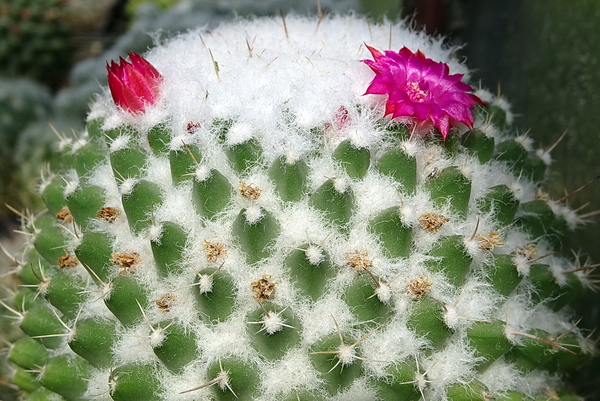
[(274, 211), (36, 38)]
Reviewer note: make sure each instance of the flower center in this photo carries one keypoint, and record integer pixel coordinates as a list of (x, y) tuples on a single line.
[(417, 91)]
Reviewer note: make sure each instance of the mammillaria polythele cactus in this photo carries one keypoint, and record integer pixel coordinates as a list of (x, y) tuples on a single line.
[(279, 209)]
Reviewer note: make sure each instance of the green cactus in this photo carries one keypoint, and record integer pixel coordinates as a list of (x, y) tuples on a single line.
[(258, 230), (36, 39)]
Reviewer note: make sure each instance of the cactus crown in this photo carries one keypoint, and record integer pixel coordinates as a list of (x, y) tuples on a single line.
[(261, 231)]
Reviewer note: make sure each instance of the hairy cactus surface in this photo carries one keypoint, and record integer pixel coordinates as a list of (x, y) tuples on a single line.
[(280, 209)]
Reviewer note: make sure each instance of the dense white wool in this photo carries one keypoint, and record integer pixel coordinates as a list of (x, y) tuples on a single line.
[(261, 77), (454, 364), (98, 388)]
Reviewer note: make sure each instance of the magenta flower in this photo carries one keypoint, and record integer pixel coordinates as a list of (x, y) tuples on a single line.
[(420, 91), (133, 85)]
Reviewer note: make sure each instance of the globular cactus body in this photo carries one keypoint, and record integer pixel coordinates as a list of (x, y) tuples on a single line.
[(257, 230)]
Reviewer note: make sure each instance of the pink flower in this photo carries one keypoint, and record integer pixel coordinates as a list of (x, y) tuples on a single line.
[(420, 91), (133, 85)]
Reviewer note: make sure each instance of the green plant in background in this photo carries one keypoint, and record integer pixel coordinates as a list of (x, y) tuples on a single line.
[(21, 102), (256, 228), (36, 39)]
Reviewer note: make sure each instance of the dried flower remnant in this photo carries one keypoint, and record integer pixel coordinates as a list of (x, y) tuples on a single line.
[(133, 85), (67, 261), (487, 242), (249, 191), (529, 252), (421, 92), (432, 222), (127, 262), (108, 213), (64, 215), (358, 260), (264, 288), (419, 286), (214, 250), (166, 302)]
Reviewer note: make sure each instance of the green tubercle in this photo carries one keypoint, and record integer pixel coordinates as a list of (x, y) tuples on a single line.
[(501, 203), (64, 292), (450, 256), (139, 204), (427, 320), (128, 162), (66, 375), (43, 394), (28, 353), (94, 339), (85, 202), (273, 330), (26, 380), (123, 299), (479, 145), (94, 252), (168, 249), (50, 243), (236, 380), (177, 347), (502, 274), (310, 270), (184, 163), (212, 195), (355, 161), (335, 361), (393, 234), (53, 194), (159, 138), (243, 156), (255, 231), (215, 294), (135, 382), (361, 297), (399, 384), (401, 167), (489, 341), (336, 206), (450, 187), (472, 391), (41, 322), (289, 178)]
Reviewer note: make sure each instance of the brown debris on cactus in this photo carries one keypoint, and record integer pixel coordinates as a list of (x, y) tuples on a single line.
[(108, 213), (264, 288), (214, 250), (127, 261), (67, 261), (487, 242), (166, 302), (432, 222), (64, 215), (418, 287), (358, 260), (249, 191)]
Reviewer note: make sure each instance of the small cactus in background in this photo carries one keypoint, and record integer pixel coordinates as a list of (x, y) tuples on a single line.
[(36, 39), (240, 220)]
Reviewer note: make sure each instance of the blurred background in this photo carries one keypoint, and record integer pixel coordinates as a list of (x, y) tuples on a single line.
[(542, 55)]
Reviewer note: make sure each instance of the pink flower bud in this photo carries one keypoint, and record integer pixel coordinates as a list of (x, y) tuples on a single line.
[(420, 92), (133, 85)]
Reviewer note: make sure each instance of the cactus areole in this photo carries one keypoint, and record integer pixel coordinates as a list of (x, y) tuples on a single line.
[(264, 212)]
